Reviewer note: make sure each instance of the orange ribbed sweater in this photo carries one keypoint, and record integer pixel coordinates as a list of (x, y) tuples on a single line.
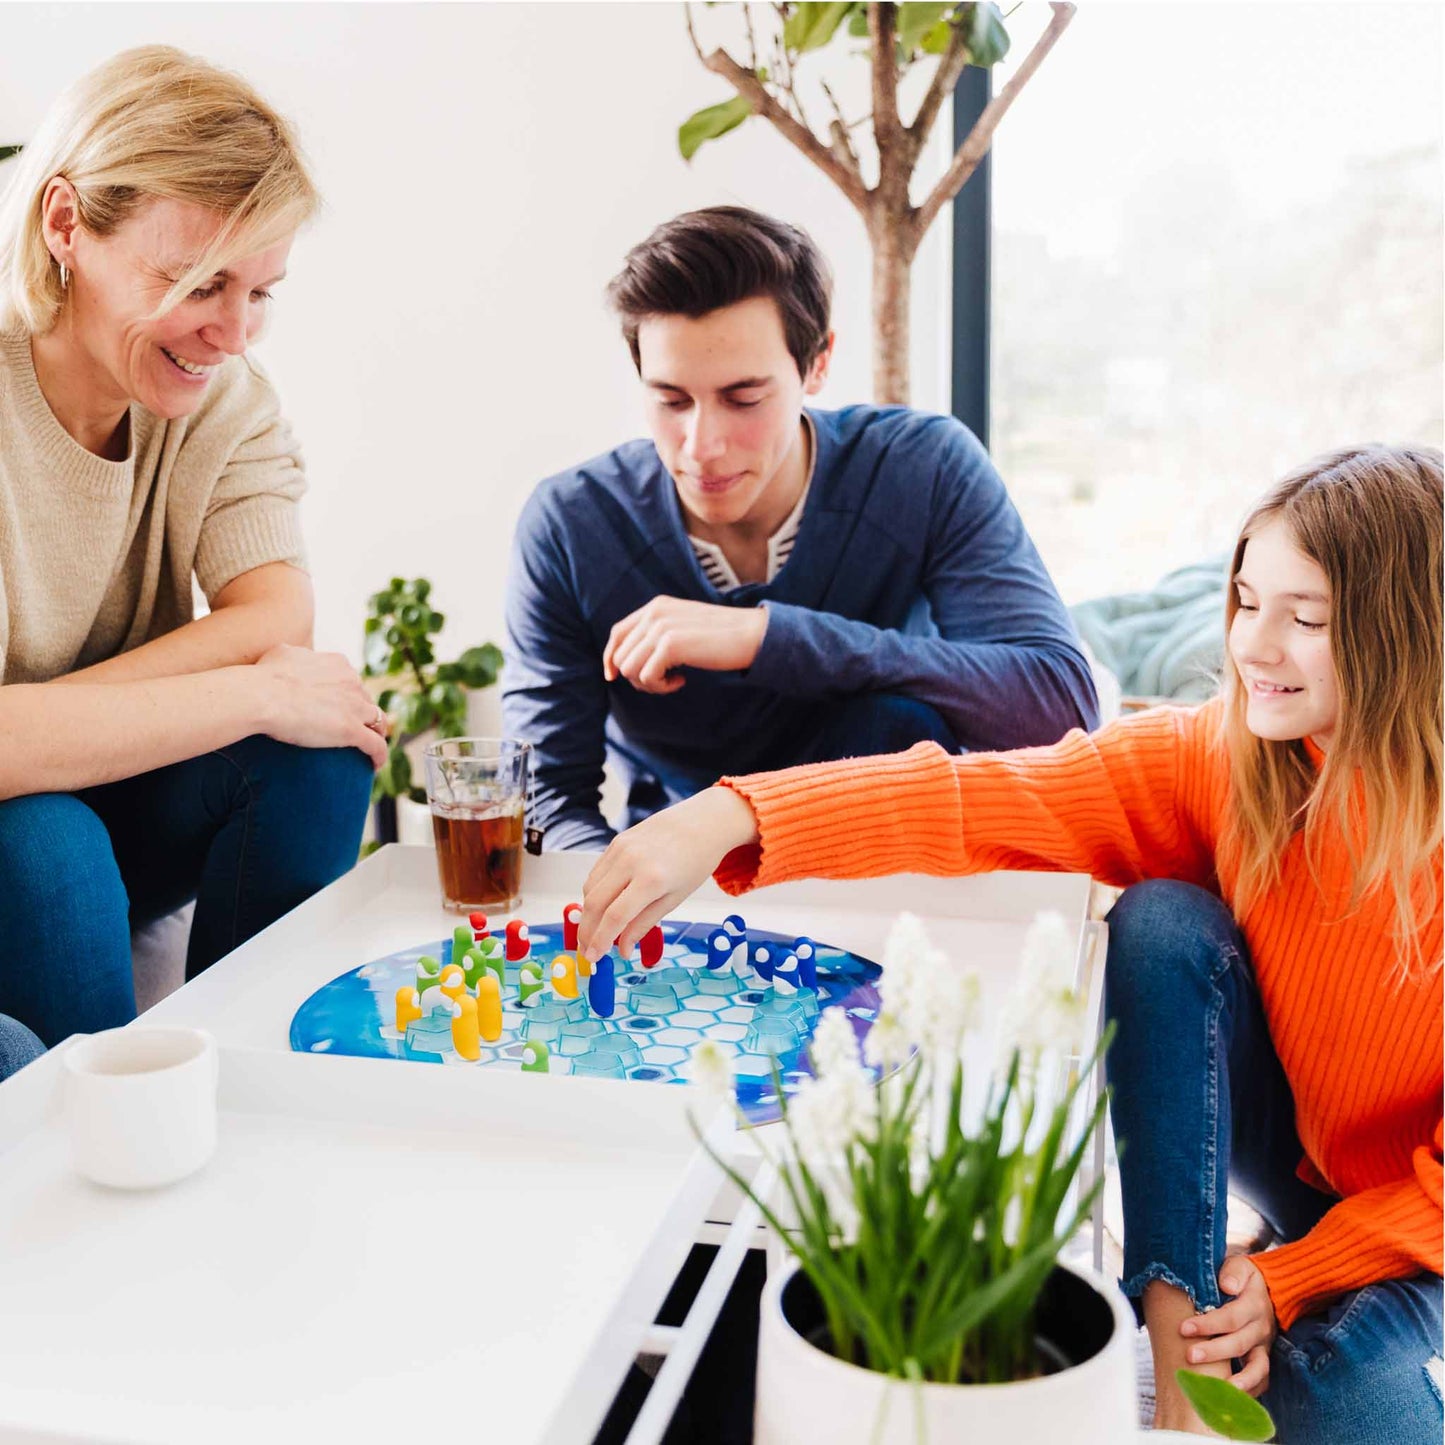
[(1145, 798)]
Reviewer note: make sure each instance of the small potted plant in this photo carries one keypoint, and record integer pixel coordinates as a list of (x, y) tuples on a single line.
[(925, 1215), (421, 696)]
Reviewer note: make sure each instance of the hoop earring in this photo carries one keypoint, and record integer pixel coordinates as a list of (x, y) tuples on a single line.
[(64, 276)]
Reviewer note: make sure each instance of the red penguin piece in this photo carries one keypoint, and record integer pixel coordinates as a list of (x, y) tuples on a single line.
[(571, 917), (518, 941), (479, 926), (651, 946)]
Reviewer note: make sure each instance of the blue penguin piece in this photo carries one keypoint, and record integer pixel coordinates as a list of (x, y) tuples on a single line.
[(735, 925), (720, 945), (763, 961), (785, 975), (807, 956), (602, 987)]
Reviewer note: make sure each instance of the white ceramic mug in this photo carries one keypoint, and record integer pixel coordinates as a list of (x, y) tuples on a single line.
[(141, 1105)]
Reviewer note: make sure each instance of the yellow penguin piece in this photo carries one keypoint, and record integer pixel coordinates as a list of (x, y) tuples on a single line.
[(408, 1007), (585, 966), (564, 975), (466, 1036), (453, 981), (489, 1007)]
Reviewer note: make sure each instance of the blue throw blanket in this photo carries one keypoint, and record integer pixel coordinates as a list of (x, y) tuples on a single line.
[(1167, 642)]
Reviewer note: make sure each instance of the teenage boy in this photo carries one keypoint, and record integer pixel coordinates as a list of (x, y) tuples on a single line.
[(758, 585)]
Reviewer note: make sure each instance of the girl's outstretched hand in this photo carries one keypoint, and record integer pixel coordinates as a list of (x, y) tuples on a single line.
[(650, 869)]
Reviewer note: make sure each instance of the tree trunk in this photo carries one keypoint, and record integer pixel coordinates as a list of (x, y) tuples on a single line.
[(892, 266)]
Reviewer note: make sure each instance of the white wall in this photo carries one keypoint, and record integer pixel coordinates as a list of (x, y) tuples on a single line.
[(441, 342)]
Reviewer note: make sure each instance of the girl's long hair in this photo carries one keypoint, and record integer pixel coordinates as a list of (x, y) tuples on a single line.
[(1371, 518)]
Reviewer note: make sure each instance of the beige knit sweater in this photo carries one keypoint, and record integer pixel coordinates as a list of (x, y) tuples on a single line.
[(97, 557)]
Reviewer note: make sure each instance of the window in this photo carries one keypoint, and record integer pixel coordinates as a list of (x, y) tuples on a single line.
[(1217, 240)]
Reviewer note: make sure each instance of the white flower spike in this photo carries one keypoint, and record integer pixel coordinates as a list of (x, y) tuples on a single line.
[(712, 1071)]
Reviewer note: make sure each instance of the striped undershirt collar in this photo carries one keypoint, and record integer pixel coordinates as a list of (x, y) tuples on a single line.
[(715, 565)]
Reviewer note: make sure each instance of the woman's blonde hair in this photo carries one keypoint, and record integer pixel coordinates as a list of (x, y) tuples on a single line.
[(151, 122), (1370, 517)]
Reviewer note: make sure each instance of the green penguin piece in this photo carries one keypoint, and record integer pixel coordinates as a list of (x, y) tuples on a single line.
[(474, 965), (535, 1056), (529, 982), (428, 973), (461, 941)]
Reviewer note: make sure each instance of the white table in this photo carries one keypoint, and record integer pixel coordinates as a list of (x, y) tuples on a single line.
[(377, 1248)]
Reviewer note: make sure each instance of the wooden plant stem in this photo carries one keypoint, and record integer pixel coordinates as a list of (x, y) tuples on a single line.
[(976, 144)]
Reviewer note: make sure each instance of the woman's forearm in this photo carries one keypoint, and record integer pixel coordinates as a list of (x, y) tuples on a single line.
[(257, 611), (60, 736)]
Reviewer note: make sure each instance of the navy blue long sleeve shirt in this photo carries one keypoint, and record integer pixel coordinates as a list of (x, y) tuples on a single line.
[(911, 573)]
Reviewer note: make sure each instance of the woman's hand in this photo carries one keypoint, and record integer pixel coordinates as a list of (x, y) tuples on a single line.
[(1242, 1329), (316, 700), (651, 868)]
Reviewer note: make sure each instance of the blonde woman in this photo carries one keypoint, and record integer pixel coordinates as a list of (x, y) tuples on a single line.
[(1276, 982), (147, 757)]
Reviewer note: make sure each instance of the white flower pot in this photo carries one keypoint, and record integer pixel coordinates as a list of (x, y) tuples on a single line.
[(804, 1394)]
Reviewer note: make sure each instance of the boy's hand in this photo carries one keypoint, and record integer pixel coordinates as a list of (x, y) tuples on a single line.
[(1244, 1328), (649, 646)]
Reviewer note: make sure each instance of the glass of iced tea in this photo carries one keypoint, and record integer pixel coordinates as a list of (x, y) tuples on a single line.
[(478, 789)]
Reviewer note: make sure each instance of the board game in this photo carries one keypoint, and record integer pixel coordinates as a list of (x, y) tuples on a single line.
[(523, 997)]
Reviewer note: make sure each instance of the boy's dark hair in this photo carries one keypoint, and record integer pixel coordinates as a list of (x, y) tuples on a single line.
[(703, 260)]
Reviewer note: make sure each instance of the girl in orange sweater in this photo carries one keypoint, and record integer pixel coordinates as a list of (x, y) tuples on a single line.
[(1273, 967)]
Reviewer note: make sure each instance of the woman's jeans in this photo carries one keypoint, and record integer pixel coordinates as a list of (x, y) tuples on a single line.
[(248, 831), (18, 1046), (1201, 1106)]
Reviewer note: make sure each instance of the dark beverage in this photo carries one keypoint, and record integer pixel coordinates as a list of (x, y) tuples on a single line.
[(479, 855)]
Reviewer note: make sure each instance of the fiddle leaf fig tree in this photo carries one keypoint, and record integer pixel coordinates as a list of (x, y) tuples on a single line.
[(422, 695), (878, 179)]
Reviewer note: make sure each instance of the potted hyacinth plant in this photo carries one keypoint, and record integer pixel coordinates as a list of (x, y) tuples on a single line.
[(925, 1215)]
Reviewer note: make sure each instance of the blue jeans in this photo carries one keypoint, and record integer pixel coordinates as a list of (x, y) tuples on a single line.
[(862, 726), (1201, 1106), (248, 831), (18, 1046)]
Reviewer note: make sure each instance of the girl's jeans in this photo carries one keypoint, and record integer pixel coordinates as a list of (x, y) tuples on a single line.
[(248, 831), (1201, 1106)]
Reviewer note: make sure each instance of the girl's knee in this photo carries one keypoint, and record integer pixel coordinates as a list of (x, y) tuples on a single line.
[(1160, 925)]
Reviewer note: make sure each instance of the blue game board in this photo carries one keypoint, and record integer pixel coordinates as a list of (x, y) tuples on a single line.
[(660, 1014)]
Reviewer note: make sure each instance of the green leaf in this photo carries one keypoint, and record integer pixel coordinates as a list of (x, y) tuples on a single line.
[(7, 151), (809, 26), (988, 41), (710, 123), (418, 715), (478, 666), (417, 795), (1225, 1408), (915, 21), (936, 41), (421, 588), (858, 22)]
